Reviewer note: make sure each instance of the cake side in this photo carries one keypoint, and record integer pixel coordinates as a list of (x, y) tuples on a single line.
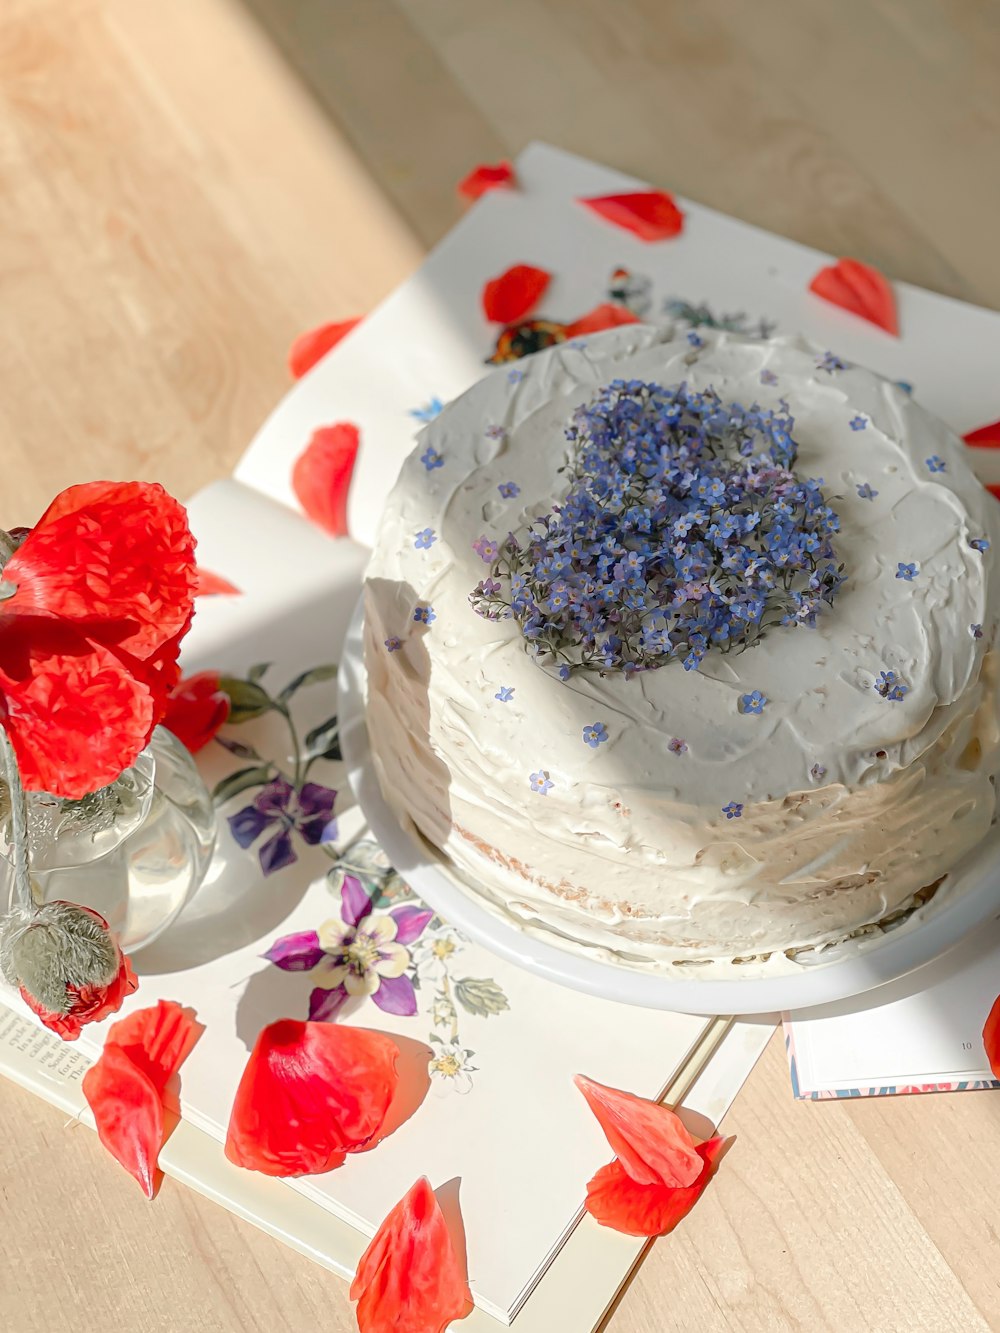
[(626, 837)]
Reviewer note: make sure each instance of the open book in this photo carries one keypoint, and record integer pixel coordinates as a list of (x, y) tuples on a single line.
[(501, 1122)]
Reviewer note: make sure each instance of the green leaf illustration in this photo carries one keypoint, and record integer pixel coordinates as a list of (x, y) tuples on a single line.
[(323, 742), (311, 677), (242, 780), (480, 996), (247, 699), (258, 670)]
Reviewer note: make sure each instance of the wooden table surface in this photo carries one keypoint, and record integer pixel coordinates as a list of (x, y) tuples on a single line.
[(175, 206)]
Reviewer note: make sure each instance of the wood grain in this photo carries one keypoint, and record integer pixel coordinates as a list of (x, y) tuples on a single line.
[(178, 199)]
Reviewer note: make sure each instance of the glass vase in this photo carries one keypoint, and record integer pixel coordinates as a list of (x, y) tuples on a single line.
[(135, 851)]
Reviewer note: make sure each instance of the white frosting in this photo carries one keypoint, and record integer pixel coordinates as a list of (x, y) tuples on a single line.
[(630, 850)]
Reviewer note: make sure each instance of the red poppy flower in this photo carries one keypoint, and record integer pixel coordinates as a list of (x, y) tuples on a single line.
[(509, 297), (313, 345), (986, 437), (991, 1038), (484, 178), (88, 1004), (125, 1087), (617, 1201), (606, 316), (105, 585), (213, 585), (310, 1094), (196, 709), (649, 1140), (652, 215), (321, 477), (861, 289), (410, 1277)]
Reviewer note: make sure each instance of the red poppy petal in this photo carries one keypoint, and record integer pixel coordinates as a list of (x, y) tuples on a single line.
[(994, 489), (410, 1277), (986, 437), (76, 716), (484, 178), (861, 289), (157, 1039), (310, 1093), (196, 709), (617, 1201), (213, 585), (606, 316), (321, 477), (652, 215), (509, 297), (649, 1139), (312, 346), (991, 1038), (129, 1113), (117, 557)]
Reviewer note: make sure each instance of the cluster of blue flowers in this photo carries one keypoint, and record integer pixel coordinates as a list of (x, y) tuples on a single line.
[(684, 528)]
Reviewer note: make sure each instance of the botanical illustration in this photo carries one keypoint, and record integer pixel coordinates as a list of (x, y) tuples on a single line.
[(380, 941)]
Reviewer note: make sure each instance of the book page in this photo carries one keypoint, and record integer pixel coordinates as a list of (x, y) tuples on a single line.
[(923, 1033)]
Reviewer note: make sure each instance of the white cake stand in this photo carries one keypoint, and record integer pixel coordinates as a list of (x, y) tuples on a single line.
[(849, 969)]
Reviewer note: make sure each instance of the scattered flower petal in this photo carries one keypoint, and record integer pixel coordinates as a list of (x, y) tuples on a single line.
[(410, 1280), (609, 315), (861, 289), (125, 1086), (648, 1139), (485, 177), (991, 1038), (311, 1093), (617, 1201), (321, 477), (300, 952), (213, 585), (986, 437), (652, 215), (510, 297), (312, 346)]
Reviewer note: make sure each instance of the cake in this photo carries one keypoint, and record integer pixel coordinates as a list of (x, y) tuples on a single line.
[(679, 646)]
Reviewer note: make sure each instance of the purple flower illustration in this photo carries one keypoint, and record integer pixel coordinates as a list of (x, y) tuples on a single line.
[(424, 615), (976, 631), (935, 463), (695, 339), (980, 544), (393, 644), (431, 459), (866, 492), (830, 363), (308, 812), (361, 953), (541, 782), (857, 423), (515, 376), (734, 810), (817, 772), (505, 693), (424, 539), (768, 376), (495, 433), (676, 746), (509, 489), (428, 412), (906, 572)]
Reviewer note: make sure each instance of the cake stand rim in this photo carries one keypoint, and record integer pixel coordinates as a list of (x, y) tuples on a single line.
[(883, 960)]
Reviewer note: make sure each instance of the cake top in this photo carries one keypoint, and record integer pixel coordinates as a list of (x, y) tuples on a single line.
[(811, 545)]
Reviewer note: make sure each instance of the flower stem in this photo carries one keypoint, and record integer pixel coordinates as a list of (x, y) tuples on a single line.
[(22, 896)]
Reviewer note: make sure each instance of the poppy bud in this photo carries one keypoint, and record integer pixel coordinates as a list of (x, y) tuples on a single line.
[(57, 950)]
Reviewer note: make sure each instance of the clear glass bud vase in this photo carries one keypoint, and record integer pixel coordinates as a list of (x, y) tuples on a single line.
[(135, 851)]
